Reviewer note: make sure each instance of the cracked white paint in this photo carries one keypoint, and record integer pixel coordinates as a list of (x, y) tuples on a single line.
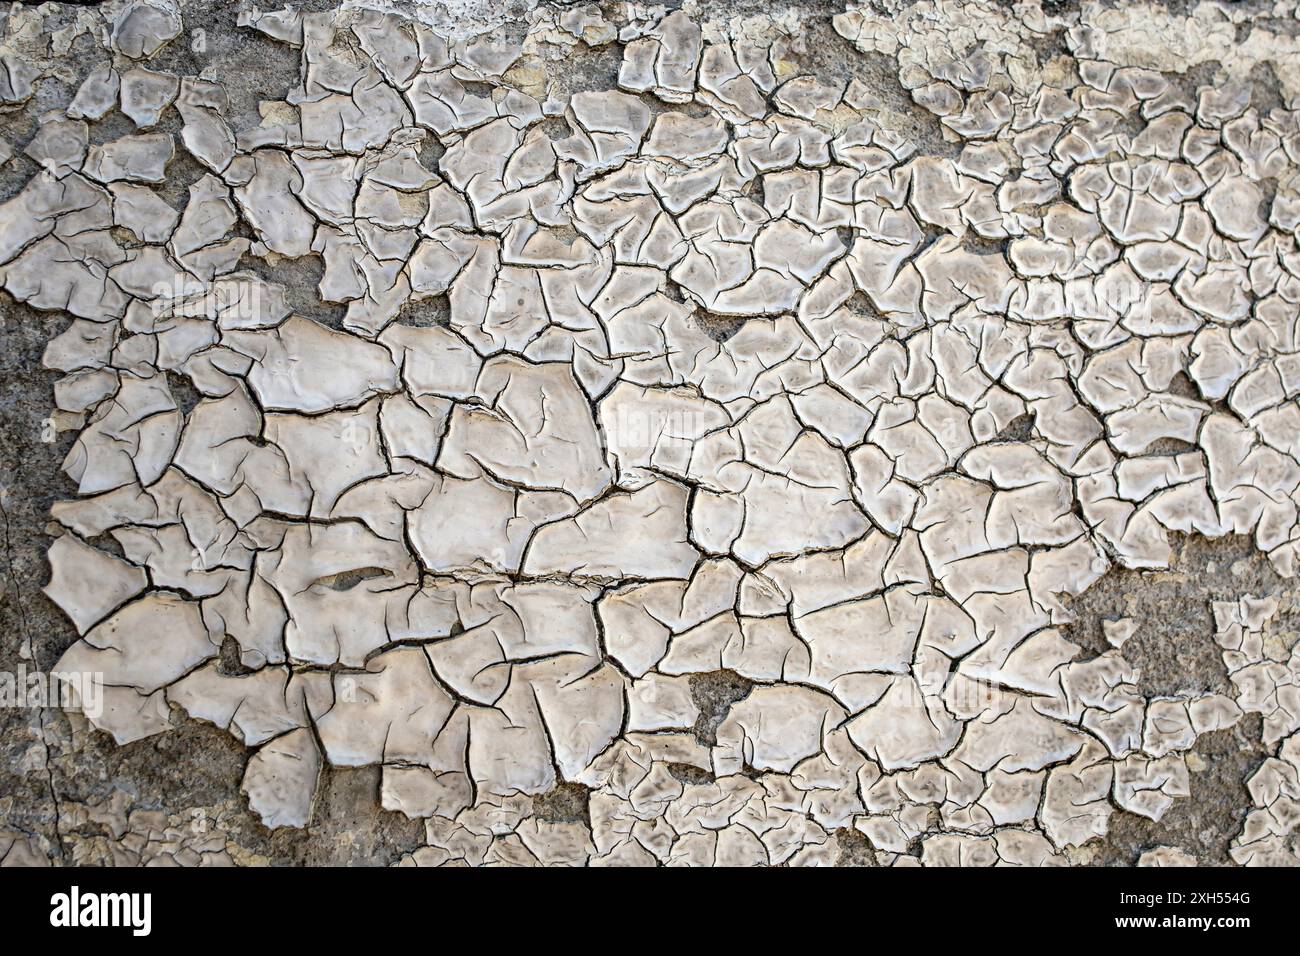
[(488, 554)]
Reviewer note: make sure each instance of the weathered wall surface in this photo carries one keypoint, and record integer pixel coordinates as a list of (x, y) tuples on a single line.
[(703, 433)]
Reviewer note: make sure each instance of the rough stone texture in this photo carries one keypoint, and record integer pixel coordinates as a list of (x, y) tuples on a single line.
[(620, 434)]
